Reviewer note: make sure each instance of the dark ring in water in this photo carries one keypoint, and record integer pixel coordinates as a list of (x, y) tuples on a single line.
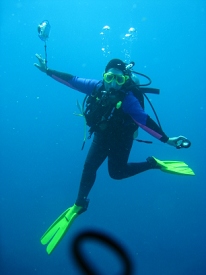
[(81, 258)]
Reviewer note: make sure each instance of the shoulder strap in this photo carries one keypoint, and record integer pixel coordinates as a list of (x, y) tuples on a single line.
[(138, 94)]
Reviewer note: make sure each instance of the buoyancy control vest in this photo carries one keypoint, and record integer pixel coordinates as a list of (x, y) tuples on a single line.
[(103, 110)]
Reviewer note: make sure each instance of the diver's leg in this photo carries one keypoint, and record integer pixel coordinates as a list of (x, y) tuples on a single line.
[(96, 156), (118, 165)]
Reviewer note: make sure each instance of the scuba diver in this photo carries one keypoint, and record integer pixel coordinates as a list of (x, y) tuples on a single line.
[(114, 110)]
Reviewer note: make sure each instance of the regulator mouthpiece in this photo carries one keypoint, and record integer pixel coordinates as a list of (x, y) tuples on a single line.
[(44, 30)]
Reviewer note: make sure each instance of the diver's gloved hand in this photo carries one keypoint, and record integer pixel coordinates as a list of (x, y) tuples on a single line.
[(42, 63), (179, 142)]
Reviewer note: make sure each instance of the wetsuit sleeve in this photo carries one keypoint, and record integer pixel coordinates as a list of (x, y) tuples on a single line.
[(82, 85), (132, 107)]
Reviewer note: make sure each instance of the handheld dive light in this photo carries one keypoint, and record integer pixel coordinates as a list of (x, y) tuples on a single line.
[(44, 30), (183, 143)]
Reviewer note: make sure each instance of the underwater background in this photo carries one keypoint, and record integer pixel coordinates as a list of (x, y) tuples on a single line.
[(159, 218)]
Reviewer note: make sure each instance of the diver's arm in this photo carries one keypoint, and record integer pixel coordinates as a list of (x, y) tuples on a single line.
[(83, 85), (132, 107), (64, 77), (153, 129)]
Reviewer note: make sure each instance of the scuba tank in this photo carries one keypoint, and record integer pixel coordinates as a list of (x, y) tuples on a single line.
[(141, 87)]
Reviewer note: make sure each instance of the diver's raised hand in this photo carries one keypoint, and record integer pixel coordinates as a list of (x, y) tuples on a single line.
[(42, 63), (179, 142)]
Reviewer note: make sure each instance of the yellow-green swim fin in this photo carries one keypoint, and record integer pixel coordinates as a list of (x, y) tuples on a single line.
[(59, 228), (174, 167)]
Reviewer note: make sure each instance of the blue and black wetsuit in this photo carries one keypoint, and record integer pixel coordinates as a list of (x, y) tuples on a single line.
[(116, 143)]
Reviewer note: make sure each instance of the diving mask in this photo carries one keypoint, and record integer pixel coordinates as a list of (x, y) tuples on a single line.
[(120, 79)]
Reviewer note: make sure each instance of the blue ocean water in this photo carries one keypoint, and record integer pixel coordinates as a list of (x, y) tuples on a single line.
[(159, 218)]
